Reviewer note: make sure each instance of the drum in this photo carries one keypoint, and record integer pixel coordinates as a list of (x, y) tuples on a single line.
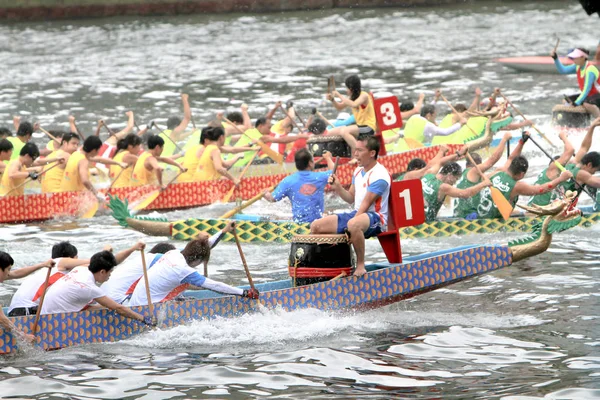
[(318, 258), (570, 117), (336, 145)]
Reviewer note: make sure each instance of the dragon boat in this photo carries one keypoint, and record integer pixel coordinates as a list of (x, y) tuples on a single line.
[(383, 284)]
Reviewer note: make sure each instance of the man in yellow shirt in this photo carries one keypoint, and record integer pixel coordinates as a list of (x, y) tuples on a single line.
[(147, 170), (52, 180), (6, 150)]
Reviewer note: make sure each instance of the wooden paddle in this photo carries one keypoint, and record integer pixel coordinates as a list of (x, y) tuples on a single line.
[(501, 202), (51, 136), (557, 43), (253, 200), (228, 195), (78, 132), (291, 119), (146, 281), (56, 163), (533, 125), (172, 141), (562, 169), (153, 195), (39, 310), (275, 156), (237, 242)]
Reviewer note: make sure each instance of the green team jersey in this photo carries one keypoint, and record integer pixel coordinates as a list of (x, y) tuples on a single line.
[(18, 145), (464, 207), (246, 140), (503, 182), (541, 199), (570, 184), (431, 189)]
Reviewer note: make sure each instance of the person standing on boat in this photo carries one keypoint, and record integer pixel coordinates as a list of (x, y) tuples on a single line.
[(26, 299), (305, 188), (174, 272), (128, 149), (423, 127), (552, 172), (466, 207), (6, 150), (369, 192), (125, 278), (76, 175), (51, 180), (508, 180), (76, 291), (6, 263), (20, 169), (147, 170), (588, 78)]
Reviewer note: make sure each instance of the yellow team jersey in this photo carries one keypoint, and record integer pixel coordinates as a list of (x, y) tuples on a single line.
[(365, 115), (71, 181), (206, 170), (120, 177), (190, 161), (51, 180), (141, 175), (7, 184)]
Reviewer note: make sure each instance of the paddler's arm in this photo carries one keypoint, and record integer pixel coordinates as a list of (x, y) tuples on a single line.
[(108, 161), (564, 157), (16, 122), (525, 189), (272, 111), (590, 78), (233, 149), (98, 127), (475, 103), (23, 272), (14, 172), (127, 130), (83, 169), (586, 143), (229, 163), (473, 175), (215, 156), (109, 303), (284, 139), (431, 130), (329, 159), (515, 153), (361, 100), (5, 323), (246, 117), (562, 69), (46, 161), (416, 109), (66, 264), (124, 254), (168, 160), (586, 178), (187, 117), (448, 190)]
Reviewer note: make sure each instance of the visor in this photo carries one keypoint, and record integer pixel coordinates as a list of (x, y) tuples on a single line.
[(577, 53)]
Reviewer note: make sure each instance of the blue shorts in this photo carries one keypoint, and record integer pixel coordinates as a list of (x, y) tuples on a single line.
[(375, 227)]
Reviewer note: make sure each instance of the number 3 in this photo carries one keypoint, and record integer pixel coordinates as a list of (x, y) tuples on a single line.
[(389, 117)]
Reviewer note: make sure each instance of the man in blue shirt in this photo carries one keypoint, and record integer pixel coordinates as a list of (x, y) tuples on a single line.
[(305, 188)]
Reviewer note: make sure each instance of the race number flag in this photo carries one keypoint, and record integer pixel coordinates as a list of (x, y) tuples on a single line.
[(387, 112)]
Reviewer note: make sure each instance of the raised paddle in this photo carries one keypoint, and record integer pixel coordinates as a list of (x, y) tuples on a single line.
[(291, 119), (56, 163), (237, 242), (275, 156), (533, 125), (39, 310), (153, 195), (562, 169), (51, 136), (253, 200), (501, 202), (228, 195), (77, 131), (147, 283), (454, 111)]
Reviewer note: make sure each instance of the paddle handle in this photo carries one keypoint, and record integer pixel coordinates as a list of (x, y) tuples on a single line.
[(116, 179), (291, 119), (476, 166), (42, 297), (523, 116), (253, 200), (147, 283), (557, 43), (228, 195), (176, 145), (237, 242), (454, 111), (51, 136)]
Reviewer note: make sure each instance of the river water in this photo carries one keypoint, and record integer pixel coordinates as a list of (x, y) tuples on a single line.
[(527, 332)]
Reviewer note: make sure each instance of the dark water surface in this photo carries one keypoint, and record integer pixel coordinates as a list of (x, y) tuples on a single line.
[(529, 331)]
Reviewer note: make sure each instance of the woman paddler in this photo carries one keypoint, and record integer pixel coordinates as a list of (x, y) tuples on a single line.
[(588, 79), (211, 166), (128, 149), (147, 170)]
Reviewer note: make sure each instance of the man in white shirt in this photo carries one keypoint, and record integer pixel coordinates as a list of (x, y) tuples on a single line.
[(75, 291), (174, 272), (6, 263), (369, 193), (124, 279)]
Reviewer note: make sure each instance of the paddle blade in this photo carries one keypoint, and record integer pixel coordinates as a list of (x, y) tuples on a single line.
[(501, 203), (413, 144), (146, 201), (228, 195), (273, 155), (91, 211)]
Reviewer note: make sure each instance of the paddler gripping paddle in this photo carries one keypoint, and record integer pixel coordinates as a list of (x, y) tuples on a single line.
[(275, 156), (30, 179)]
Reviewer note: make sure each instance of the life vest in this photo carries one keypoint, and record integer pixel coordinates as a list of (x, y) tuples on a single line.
[(581, 74), (190, 161), (246, 141), (120, 177), (17, 146), (169, 147), (415, 128), (71, 181), (206, 171), (464, 134), (7, 184), (365, 114), (141, 175), (51, 180)]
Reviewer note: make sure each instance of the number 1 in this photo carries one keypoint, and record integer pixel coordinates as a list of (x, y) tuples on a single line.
[(405, 194)]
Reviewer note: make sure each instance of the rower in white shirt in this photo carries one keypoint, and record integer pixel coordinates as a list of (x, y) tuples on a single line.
[(174, 272), (76, 290), (125, 278)]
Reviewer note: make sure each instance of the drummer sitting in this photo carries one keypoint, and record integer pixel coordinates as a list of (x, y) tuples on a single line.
[(305, 188), (369, 192)]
